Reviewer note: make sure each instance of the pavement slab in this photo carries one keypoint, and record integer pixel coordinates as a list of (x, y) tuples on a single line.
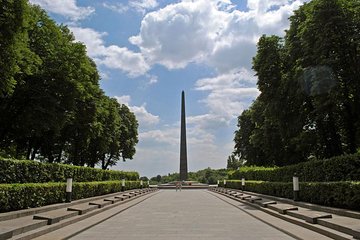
[(189, 214)]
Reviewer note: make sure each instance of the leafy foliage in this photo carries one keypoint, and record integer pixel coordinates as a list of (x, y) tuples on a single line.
[(51, 106), (25, 171), (29, 195), (309, 82), (208, 176), (340, 168)]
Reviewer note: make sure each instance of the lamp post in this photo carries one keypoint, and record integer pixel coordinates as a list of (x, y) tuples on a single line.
[(296, 187), (68, 190)]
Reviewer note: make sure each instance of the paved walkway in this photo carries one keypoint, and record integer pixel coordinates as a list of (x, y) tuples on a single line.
[(191, 214)]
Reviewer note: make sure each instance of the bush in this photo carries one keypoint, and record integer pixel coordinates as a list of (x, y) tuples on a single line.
[(332, 194), (340, 168), (29, 195), (27, 171)]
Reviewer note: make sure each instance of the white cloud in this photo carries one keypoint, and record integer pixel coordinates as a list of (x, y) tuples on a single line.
[(211, 32), (117, 7), (143, 5), (67, 8), (144, 118), (113, 56), (229, 93), (137, 5), (169, 136), (125, 99), (122, 58)]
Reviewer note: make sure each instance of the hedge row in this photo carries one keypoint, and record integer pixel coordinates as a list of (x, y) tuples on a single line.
[(27, 171), (332, 194), (341, 168), (29, 195)]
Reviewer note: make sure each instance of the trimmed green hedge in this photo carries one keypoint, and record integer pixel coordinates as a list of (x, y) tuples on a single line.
[(332, 194), (30, 195), (27, 171), (340, 168)]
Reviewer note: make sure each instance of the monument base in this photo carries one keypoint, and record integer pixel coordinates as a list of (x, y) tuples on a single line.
[(184, 185)]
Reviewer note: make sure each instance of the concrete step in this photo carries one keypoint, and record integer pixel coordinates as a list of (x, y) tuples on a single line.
[(31, 225), (55, 216), (122, 197), (282, 208), (100, 203), (237, 194), (128, 194), (330, 225), (13, 227), (342, 224), (264, 202), (82, 208), (253, 199), (244, 197), (309, 216), (112, 200)]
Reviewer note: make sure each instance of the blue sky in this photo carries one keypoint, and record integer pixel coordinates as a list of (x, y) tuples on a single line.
[(148, 51)]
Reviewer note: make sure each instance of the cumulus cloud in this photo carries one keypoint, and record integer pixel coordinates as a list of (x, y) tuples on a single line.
[(112, 56), (145, 118), (229, 93), (210, 32), (67, 8)]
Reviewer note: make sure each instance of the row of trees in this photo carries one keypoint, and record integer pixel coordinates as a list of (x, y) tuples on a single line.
[(309, 104), (51, 105), (207, 175)]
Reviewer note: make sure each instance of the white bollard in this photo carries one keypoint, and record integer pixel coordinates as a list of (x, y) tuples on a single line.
[(123, 185), (296, 187), (68, 189)]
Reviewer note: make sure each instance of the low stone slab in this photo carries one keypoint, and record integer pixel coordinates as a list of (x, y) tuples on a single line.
[(17, 226), (253, 199), (264, 202), (122, 197), (82, 208), (128, 195), (100, 203), (232, 193), (56, 215), (346, 225), (244, 197), (237, 194), (283, 208), (112, 200), (308, 215)]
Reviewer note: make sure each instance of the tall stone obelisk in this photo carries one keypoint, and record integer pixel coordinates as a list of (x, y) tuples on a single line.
[(183, 151)]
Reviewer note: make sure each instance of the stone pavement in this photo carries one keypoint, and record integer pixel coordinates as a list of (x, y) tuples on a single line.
[(192, 214)]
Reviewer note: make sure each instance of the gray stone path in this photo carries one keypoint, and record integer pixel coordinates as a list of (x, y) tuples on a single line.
[(191, 214)]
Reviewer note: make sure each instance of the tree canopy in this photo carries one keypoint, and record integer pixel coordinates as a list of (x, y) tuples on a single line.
[(309, 105), (51, 105)]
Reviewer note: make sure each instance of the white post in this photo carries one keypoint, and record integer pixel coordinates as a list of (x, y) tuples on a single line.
[(224, 183), (68, 189), (296, 187), (243, 184), (123, 185), (218, 182), (141, 183)]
